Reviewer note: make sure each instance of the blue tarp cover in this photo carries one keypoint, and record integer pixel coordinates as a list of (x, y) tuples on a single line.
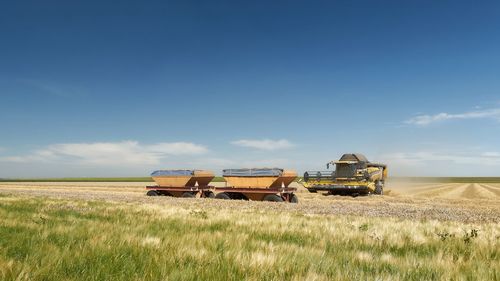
[(256, 172), (172, 173)]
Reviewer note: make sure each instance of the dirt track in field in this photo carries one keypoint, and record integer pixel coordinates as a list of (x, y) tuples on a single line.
[(465, 202)]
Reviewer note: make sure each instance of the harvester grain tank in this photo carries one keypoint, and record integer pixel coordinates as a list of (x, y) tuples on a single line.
[(353, 175)]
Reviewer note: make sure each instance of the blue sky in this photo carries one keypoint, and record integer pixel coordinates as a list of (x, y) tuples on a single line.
[(119, 89)]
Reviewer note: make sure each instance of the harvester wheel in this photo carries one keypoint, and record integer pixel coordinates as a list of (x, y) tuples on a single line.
[(188, 195), (379, 188), (209, 194), (294, 198), (273, 198), (222, 195), (152, 193)]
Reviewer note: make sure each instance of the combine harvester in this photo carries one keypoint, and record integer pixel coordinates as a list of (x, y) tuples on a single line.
[(354, 175), (261, 184)]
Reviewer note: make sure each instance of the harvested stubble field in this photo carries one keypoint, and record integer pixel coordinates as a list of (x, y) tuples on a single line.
[(112, 231)]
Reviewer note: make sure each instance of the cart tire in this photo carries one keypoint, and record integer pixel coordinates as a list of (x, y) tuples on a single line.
[(294, 198), (273, 198), (238, 196), (165, 193), (209, 194), (152, 193), (222, 195), (188, 195)]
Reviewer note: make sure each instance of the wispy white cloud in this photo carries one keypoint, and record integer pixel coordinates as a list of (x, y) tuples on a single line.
[(491, 154), (264, 144), (51, 88), (214, 162), (428, 158), (274, 162), (223, 163), (108, 153), (424, 120)]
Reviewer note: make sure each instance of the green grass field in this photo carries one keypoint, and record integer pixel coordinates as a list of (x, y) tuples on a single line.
[(50, 239)]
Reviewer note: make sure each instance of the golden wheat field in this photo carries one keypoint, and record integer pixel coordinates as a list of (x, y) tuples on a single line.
[(468, 202), (472, 191), (112, 231)]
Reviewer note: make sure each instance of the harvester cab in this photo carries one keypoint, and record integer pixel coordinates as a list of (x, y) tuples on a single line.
[(353, 175)]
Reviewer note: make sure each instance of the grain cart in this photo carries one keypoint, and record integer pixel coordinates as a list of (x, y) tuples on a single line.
[(260, 184), (354, 175), (181, 183)]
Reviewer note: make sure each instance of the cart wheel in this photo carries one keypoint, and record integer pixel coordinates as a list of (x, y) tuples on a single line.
[(152, 193), (238, 196), (294, 198), (222, 195), (188, 195), (165, 193), (209, 194), (273, 198)]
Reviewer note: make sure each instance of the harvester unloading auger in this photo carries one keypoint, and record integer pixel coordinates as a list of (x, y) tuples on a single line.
[(353, 175)]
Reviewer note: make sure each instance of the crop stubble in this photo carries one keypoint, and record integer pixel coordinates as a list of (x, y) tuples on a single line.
[(470, 202)]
